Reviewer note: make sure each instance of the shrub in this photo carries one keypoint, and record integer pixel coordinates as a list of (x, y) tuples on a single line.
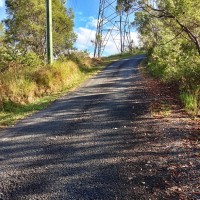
[(81, 58), (56, 77), (24, 84), (25, 78), (16, 87), (178, 64), (190, 101)]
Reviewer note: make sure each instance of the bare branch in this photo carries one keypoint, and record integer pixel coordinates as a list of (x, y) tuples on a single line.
[(171, 39)]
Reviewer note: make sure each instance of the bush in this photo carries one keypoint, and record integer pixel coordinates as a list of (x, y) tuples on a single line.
[(178, 64), (24, 77), (190, 101), (82, 58), (24, 84), (13, 57), (17, 87), (56, 77)]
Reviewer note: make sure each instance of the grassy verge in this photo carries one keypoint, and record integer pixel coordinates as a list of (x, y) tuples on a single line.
[(113, 58), (187, 99), (12, 110), (175, 67)]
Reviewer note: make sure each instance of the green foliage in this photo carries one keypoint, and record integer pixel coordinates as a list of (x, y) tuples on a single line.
[(27, 89), (61, 75), (26, 26), (17, 86), (30, 59), (25, 84), (171, 31), (178, 64), (79, 57), (12, 57), (190, 101)]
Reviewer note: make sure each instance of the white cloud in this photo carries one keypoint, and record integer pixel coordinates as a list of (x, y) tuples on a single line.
[(135, 38), (92, 22), (110, 48), (85, 35), (111, 44), (2, 2)]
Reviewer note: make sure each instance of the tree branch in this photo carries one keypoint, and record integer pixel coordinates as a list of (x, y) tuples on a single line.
[(164, 14), (171, 39)]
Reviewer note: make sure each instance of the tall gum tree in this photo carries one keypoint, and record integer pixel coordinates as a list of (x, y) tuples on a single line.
[(170, 30), (183, 16), (26, 26)]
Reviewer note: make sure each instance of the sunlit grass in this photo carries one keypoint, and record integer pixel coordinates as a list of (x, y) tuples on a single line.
[(32, 90), (190, 101), (51, 81)]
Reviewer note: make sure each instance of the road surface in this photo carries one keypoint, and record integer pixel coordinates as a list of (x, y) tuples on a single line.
[(77, 147)]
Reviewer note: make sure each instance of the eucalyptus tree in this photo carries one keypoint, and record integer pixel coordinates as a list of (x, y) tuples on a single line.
[(181, 16), (26, 26), (1, 32), (170, 30)]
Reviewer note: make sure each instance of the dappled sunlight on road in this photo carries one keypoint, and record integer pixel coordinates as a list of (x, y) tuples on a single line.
[(98, 142)]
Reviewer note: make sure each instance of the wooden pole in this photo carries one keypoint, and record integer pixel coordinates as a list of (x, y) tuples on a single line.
[(49, 31)]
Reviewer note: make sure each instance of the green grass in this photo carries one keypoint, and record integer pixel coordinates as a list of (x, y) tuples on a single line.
[(190, 102), (11, 112)]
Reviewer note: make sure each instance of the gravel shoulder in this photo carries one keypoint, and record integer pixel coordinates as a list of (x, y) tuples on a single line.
[(102, 142)]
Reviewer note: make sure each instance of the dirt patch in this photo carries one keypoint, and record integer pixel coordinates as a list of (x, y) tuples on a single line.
[(165, 164)]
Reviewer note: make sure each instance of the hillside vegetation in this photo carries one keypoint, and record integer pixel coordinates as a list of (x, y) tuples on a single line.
[(170, 31), (27, 83), (25, 89)]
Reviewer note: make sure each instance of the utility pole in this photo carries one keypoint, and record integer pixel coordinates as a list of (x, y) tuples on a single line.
[(49, 31)]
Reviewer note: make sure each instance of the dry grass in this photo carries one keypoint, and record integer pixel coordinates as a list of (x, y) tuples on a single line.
[(24, 85), (28, 89), (24, 90)]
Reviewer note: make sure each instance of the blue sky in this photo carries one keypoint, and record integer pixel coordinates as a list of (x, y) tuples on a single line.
[(2, 9), (83, 10), (86, 13)]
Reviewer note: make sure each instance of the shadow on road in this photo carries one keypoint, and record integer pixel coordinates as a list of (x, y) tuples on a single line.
[(97, 143)]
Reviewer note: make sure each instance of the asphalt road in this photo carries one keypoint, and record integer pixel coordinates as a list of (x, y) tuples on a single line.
[(75, 149)]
